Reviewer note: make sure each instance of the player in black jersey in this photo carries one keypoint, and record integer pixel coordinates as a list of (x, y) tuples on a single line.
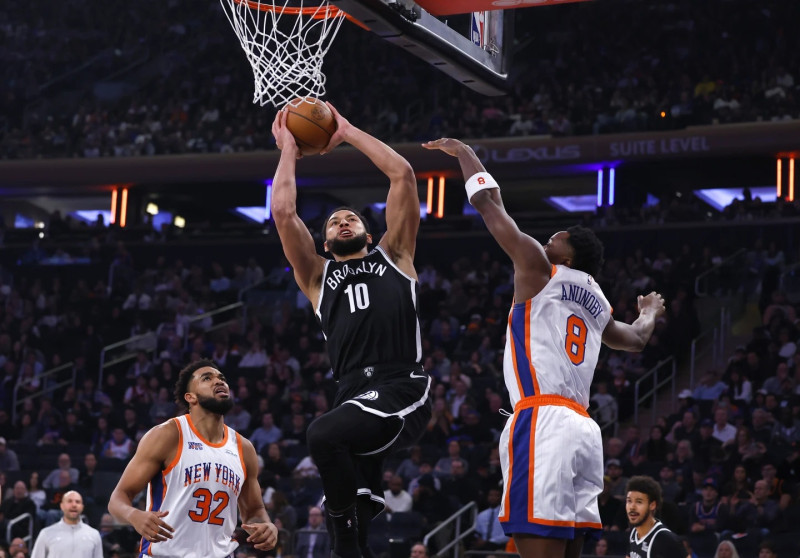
[(366, 302), (649, 537)]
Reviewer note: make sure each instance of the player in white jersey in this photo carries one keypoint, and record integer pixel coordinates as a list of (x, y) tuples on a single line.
[(551, 450), (197, 472)]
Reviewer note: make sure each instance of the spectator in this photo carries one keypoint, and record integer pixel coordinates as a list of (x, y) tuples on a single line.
[(19, 504), (409, 467), (419, 550), (606, 404), (685, 428), (767, 550), (762, 513), (312, 540), (601, 547), (64, 464), (163, 406), (706, 518), (670, 489), (489, 533), (8, 457), (52, 511), (280, 508), (141, 367), (780, 384), (265, 434), (87, 476), (723, 430), (255, 357), (396, 497), (726, 550), (710, 388), (306, 468), (705, 447), (35, 491), (113, 538), (119, 446), (617, 482), (612, 510), (18, 548), (444, 467), (425, 468), (429, 502)]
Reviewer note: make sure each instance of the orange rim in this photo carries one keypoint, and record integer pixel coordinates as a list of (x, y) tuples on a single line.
[(315, 12)]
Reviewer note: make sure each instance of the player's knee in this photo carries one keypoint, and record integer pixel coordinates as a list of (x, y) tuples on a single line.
[(320, 438)]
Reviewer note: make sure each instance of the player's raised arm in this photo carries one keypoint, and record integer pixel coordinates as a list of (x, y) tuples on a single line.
[(152, 455), (262, 533), (298, 245), (526, 252), (402, 202), (634, 337)]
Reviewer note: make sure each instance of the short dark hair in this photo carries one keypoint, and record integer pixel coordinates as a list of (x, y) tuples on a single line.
[(345, 208), (588, 250), (185, 376), (648, 486)]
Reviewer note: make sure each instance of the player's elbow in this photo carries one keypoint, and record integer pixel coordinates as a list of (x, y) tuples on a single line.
[(402, 172), (283, 210), (639, 343)]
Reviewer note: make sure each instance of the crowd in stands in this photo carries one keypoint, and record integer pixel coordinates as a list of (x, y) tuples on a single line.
[(727, 455), (169, 77)]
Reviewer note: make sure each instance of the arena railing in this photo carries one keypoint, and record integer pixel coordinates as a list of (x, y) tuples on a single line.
[(24, 517), (205, 322), (49, 382), (612, 422), (725, 276), (704, 345), (147, 342), (454, 521), (651, 382)]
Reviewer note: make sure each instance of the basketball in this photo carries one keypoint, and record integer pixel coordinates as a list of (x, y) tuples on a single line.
[(311, 123)]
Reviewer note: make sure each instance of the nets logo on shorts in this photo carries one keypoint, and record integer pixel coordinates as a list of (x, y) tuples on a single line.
[(368, 396)]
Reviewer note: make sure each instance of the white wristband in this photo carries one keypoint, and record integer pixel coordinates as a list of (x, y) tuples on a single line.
[(479, 181)]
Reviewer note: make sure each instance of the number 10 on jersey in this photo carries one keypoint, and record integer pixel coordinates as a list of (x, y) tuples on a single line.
[(357, 296)]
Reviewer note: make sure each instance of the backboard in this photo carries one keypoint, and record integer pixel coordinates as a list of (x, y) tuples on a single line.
[(482, 67)]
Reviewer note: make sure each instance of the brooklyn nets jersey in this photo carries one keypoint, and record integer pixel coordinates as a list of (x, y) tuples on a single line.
[(659, 542), (554, 338), (200, 490), (368, 311)]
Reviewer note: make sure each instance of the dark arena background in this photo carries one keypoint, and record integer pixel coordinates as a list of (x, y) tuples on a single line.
[(135, 237)]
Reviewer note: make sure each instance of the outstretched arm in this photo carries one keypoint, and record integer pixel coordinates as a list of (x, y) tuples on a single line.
[(402, 202), (156, 447), (532, 268), (298, 245), (634, 337)]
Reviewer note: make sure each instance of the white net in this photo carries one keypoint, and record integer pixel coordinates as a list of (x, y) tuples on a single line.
[(285, 42)]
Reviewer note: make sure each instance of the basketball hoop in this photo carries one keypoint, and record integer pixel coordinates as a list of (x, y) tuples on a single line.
[(285, 42)]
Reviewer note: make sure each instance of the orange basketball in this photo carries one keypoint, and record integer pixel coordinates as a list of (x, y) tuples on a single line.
[(311, 123)]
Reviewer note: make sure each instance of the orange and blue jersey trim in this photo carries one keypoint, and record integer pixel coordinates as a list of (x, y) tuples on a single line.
[(519, 504), (519, 325)]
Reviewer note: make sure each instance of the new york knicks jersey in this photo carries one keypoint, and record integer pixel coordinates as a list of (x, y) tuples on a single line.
[(200, 490), (553, 339), (367, 308)]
